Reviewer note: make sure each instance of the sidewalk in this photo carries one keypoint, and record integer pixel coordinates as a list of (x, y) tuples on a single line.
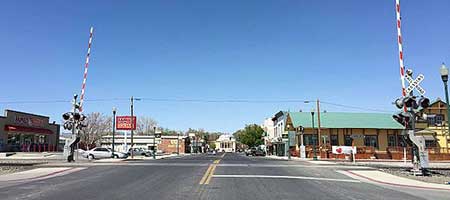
[(310, 160), (38, 173), (378, 177)]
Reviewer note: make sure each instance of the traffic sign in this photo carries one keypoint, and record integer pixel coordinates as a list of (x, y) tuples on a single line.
[(414, 84)]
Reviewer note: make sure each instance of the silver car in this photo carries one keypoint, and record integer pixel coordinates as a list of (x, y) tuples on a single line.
[(101, 152)]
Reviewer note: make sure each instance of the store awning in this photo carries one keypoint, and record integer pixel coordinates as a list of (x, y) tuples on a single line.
[(14, 128)]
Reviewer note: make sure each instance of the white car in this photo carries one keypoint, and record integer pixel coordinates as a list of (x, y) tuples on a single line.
[(101, 152)]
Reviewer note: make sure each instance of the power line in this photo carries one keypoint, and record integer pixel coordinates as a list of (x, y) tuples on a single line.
[(188, 100), (356, 107)]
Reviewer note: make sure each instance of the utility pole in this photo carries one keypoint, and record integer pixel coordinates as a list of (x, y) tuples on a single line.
[(132, 124), (113, 131)]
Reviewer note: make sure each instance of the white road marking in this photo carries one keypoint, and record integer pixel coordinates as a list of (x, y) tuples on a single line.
[(286, 177)]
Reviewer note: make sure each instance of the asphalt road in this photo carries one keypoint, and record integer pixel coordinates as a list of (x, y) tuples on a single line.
[(230, 176)]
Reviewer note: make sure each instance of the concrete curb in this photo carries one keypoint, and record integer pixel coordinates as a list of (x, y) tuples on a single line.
[(392, 183)]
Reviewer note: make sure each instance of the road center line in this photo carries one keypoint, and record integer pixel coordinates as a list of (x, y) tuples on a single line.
[(206, 175), (285, 177)]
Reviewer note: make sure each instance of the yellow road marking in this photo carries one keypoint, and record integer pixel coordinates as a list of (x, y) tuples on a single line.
[(211, 173), (206, 175)]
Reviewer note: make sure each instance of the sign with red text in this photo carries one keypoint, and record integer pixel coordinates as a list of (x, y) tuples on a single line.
[(343, 149), (125, 123)]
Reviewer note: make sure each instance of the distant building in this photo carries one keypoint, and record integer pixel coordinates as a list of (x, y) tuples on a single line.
[(226, 143), (20, 131), (269, 134), (166, 144), (278, 145)]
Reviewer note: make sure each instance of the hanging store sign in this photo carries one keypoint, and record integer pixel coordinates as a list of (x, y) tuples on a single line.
[(125, 123)]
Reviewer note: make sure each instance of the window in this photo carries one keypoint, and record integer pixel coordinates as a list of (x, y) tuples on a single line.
[(435, 120), (401, 141), (310, 139), (392, 140), (430, 143), (347, 140), (371, 141), (334, 140), (439, 119)]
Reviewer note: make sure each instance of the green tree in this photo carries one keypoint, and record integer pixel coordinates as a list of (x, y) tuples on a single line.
[(251, 135)]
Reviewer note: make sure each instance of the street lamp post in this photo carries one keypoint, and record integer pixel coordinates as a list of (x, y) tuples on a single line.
[(113, 130), (289, 143), (314, 141), (444, 76)]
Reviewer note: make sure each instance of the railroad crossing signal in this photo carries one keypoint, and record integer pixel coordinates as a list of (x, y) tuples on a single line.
[(414, 84)]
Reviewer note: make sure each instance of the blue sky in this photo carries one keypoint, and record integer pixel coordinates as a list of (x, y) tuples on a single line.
[(338, 51)]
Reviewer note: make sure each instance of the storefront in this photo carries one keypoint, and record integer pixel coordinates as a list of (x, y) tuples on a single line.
[(27, 132)]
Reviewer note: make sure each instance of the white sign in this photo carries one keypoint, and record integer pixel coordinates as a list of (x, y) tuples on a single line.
[(343, 150), (423, 159), (357, 136), (414, 84)]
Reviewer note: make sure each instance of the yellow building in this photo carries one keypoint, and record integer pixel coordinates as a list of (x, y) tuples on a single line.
[(435, 126)]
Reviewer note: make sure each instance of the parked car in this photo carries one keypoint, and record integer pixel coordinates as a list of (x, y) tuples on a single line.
[(139, 152), (101, 152), (259, 152), (249, 152), (255, 152), (212, 152)]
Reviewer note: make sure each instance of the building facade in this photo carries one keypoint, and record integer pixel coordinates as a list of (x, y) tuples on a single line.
[(226, 143), (27, 132), (167, 144), (376, 135), (278, 145)]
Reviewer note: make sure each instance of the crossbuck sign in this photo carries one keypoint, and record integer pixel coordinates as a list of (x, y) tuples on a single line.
[(414, 84)]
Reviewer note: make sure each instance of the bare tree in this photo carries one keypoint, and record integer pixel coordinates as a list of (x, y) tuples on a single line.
[(145, 125), (98, 125)]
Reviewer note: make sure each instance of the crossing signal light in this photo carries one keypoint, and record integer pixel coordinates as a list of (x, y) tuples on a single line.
[(399, 103), (76, 116), (66, 116), (403, 119), (409, 102), (424, 102)]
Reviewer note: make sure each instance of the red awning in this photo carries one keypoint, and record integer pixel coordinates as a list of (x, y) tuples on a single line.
[(27, 129)]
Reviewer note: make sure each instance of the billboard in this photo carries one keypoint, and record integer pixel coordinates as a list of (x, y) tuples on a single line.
[(124, 123)]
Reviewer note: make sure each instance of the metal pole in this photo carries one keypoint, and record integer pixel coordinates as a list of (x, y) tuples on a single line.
[(154, 144), (113, 131), (318, 121), (448, 108), (132, 124), (289, 146), (178, 143), (314, 141)]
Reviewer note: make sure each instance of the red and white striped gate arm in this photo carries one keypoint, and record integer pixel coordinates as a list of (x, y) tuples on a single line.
[(400, 48), (83, 86)]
